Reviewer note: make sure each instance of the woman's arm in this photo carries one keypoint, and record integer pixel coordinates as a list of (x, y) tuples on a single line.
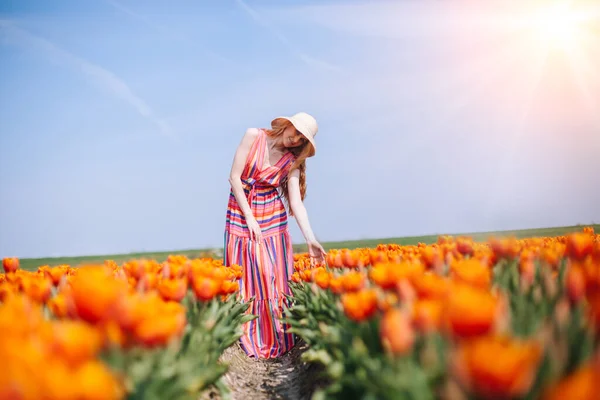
[(235, 179), (299, 210)]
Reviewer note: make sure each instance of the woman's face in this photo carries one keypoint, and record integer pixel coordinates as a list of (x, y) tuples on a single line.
[(292, 138)]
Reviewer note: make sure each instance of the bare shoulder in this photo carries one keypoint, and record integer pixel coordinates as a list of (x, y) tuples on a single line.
[(242, 151), (251, 133), (295, 173), (248, 138)]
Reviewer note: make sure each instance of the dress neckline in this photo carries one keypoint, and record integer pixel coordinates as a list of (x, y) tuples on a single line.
[(266, 154)]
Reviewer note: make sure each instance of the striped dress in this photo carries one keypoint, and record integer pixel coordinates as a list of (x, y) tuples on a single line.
[(268, 265)]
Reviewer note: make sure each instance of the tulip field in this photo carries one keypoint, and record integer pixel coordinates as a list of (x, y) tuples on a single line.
[(502, 319), (457, 318), (141, 330)]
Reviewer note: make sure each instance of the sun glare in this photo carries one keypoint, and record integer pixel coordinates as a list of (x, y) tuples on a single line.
[(558, 26)]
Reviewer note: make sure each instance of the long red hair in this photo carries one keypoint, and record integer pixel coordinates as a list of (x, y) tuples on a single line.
[(301, 153)]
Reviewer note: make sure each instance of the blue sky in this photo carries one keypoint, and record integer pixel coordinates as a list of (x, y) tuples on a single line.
[(119, 119)]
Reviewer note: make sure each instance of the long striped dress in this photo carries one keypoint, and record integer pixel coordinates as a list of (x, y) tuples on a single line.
[(268, 265)]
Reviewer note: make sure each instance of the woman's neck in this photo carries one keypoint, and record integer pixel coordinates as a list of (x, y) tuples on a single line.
[(276, 144)]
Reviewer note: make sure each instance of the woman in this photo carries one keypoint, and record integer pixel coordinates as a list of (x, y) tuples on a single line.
[(269, 168)]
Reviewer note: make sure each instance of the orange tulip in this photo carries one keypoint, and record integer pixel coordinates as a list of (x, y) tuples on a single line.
[(381, 276), (432, 257), (427, 314), (334, 259), (396, 331), (95, 293), (138, 268), (378, 256), (10, 264), (589, 230), (353, 281), (16, 277), (360, 305), (94, 381), (229, 287), (75, 341), (464, 245), (322, 278), (38, 288), (21, 361), (470, 311), (504, 248), (431, 286), (172, 289), (20, 315), (178, 259), (133, 308), (58, 305), (581, 384), (596, 251), (444, 239), (349, 258), (551, 256), (575, 283), (594, 310), (336, 285), (497, 367), (221, 273), (302, 264), (296, 277), (173, 270), (405, 290), (55, 273), (237, 270), (471, 271), (306, 275), (579, 245), (168, 323), (387, 275), (148, 281), (206, 289), (6, 290), (527, 271), (591, 271)]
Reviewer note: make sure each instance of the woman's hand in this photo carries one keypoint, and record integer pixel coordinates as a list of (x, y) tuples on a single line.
[(316, 251), (255, 231)]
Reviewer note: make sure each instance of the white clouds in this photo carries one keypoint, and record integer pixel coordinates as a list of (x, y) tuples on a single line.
[(307, 59), (104, 78), (169, 32), (395, 19), (164, 30), (320, 64)]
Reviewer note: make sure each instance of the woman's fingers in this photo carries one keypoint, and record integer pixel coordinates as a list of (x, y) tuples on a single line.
[(258, 235)]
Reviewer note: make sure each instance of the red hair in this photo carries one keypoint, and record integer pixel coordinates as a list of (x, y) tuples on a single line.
[(300, 152)]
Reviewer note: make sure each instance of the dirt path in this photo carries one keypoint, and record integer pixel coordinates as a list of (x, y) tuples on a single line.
[(287, 377)]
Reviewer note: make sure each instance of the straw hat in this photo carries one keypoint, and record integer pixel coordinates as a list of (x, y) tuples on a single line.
[(305, 124)]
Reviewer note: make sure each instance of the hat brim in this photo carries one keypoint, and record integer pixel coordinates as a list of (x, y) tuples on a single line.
[(310, 139)]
